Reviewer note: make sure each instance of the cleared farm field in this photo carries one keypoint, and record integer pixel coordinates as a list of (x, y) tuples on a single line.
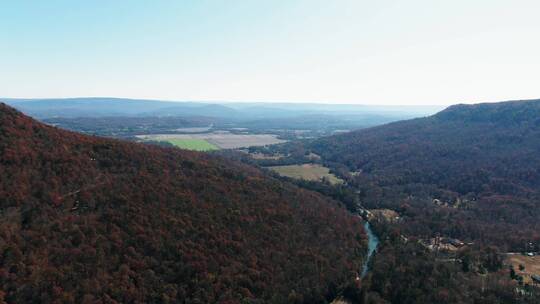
[(308, 172), (193, 144), (222, 140)]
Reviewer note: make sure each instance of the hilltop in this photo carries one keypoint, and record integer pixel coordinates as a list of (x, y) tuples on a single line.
[(85, 219), (482, 160)]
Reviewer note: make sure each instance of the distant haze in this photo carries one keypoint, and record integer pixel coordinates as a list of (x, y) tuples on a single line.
[(417, 52), (107, 107)]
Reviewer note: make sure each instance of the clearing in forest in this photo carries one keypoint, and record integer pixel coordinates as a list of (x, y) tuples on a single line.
[(311, 172), (220, 139), (531, 263), (193, 144)]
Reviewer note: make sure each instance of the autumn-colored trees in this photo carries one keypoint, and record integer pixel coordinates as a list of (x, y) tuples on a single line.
[(482, 162), (89, 220), (470, 172)]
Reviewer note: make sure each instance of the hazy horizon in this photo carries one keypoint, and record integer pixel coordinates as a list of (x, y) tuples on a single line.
[(270, 102), (339, 52), (274, 102)]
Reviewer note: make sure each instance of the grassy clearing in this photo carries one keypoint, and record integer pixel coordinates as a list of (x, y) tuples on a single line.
[(307, 172), (387, 214), (220, 139), (193, 144), (532, 265)]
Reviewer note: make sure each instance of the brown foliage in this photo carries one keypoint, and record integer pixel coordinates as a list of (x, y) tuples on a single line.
[(85, 219)]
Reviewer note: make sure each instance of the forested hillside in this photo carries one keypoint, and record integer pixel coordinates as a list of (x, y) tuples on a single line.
[(90, 220), (470, 171)]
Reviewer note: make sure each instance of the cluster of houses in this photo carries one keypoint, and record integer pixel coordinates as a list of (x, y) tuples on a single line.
[(456, 204), (443, 244)]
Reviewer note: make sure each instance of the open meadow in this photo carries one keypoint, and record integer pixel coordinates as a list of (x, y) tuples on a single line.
[(221, 140), (310, 172), (193, 144)]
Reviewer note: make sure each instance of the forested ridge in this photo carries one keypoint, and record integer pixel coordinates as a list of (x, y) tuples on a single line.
[(469, 174), (470, 171), (91, 220)]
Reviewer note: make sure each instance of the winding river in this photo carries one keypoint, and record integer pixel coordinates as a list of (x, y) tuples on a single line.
[(373, 242)]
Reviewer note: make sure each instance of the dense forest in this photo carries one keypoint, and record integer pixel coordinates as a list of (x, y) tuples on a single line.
[(404, 271), (470, 172), (91, 220)]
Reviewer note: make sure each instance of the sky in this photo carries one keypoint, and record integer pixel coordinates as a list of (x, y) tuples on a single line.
[(362, 52)]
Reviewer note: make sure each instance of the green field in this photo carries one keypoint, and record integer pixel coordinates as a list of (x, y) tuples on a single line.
[(308, 172), (193, 144)]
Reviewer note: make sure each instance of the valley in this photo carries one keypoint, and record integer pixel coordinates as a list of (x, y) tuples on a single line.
[(269, 152), (434, 193), (435, 207)]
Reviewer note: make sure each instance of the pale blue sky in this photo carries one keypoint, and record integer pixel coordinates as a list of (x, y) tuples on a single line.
[(370, 52)]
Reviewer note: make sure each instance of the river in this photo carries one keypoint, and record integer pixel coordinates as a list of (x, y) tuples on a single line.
[(373, 242)]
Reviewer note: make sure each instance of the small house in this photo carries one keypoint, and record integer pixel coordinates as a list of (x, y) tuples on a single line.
[(456, 242)]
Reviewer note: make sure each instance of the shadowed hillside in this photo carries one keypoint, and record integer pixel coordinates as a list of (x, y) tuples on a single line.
[(90, 220), (481, 161)]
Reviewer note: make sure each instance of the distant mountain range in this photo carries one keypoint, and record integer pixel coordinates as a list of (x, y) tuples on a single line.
[(91, 220), (96, 107)]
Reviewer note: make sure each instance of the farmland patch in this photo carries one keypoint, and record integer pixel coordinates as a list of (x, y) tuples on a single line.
[(193, 144), (311, 172), (222, 140)]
